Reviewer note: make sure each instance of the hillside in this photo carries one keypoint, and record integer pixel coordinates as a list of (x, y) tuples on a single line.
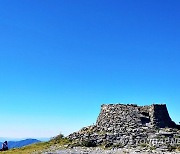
[(145, 129), (21, 143), (57, 143)]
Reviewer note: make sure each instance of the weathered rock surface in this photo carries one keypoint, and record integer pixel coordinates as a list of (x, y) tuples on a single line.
[(80, 150), (131, 126)]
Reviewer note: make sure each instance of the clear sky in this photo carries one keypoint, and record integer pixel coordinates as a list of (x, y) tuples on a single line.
[(61, 59)]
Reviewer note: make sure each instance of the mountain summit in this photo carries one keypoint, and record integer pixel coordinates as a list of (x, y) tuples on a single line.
[(128, 125)]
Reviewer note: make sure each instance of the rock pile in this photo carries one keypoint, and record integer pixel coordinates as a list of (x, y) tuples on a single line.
[(117, 116), (120, 125)]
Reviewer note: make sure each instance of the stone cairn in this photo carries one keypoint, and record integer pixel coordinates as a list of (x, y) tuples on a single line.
[(121, 125)]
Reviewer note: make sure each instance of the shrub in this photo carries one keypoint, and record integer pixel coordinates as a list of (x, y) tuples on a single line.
[(60, 139), (57, 138), (152, 148), (144, 145), (171, 148), (178, 148)]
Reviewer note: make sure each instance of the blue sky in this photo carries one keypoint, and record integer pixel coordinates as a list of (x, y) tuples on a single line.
[(61, 59)]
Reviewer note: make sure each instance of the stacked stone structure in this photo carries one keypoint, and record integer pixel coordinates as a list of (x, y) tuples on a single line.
[(120, 124), (119, 115)]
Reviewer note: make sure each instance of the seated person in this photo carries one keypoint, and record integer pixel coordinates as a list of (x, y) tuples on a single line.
[(4, 146)]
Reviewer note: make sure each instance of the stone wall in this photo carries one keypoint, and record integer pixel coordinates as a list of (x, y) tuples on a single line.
[(114, 117), (160, 117), (120, 115), (118, 123)]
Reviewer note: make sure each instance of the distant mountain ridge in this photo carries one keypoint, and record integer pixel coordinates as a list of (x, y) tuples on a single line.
[(21, 143)]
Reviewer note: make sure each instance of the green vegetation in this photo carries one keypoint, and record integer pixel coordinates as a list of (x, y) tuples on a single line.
[(171, 148), (152, 148), (144, 145), (29, 149), (58, 141), (178, 148)]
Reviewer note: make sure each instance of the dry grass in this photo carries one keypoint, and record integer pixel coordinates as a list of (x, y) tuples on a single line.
[(37, 148)]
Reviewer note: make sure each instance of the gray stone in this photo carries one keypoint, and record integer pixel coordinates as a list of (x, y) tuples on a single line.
[(130, 125)]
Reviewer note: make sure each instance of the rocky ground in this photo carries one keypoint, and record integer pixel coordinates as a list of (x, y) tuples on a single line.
[(131, 126), (126, 129), (80, 150)]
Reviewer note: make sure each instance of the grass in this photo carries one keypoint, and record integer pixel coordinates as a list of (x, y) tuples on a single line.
[(29, 149), (178, 148), (55, 143), (143, 145), (152, 148), (59, 141), (171, 148)]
